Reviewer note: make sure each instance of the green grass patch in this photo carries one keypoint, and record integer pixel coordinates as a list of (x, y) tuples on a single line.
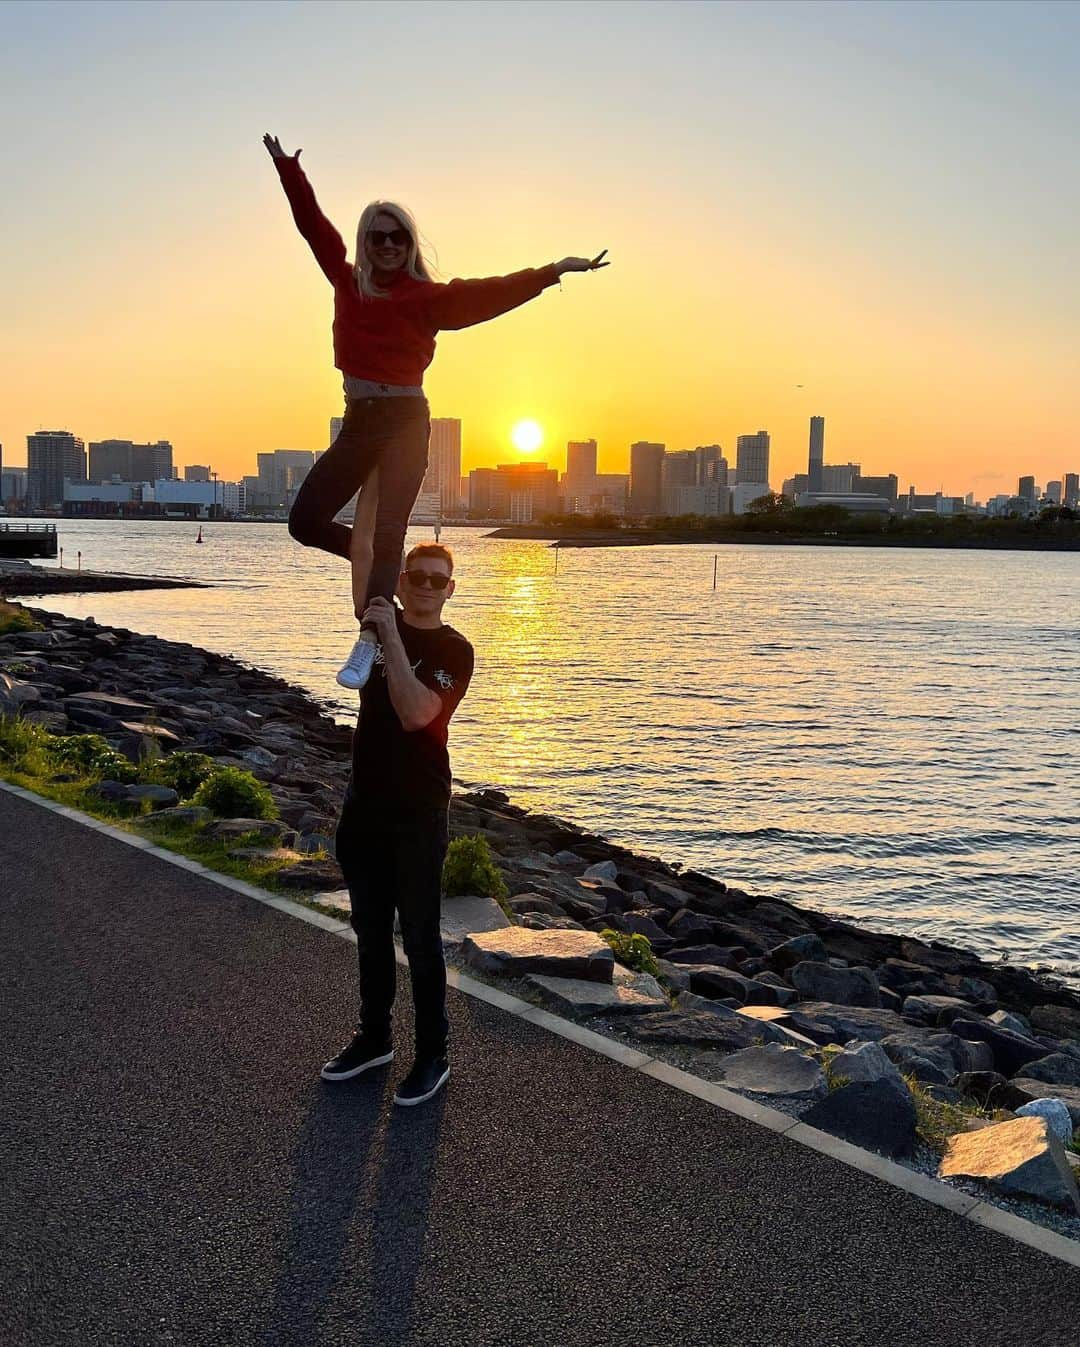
[(827, 1057), (14, 617), (936, 1122), (38, 761)]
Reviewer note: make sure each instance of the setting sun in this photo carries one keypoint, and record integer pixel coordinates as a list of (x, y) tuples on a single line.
[(527, 436)]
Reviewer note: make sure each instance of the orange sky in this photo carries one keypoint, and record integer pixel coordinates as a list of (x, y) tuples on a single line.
[(869, 233)]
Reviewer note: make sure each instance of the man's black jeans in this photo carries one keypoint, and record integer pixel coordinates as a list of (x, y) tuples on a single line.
[(389, 433), (393, 858)]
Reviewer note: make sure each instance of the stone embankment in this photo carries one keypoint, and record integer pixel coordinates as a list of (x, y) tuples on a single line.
[(853, 1030)]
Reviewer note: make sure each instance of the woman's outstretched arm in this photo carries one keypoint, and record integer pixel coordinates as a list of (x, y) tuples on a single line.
[(323, 238), (460, 304)]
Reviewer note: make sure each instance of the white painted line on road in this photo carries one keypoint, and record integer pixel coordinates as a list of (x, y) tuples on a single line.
[(980, 1213)]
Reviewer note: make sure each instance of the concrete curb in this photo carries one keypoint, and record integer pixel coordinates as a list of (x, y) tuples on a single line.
[(962, 1204)]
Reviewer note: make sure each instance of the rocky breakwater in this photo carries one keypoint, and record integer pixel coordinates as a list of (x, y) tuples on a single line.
[(22, 577), (854, 1030)]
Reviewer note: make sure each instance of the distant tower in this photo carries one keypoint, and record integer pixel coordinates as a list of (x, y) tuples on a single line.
[(817, 452), (752, 459), (646, 478)]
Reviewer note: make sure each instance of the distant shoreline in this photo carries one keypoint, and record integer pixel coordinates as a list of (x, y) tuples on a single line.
[(626, 538)]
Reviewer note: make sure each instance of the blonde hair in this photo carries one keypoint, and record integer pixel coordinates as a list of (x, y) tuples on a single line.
[(416, 265)]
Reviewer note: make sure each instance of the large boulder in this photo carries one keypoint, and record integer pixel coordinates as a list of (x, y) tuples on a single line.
[(517, 951), (467, 914), (1011, 1051), (867, 1061), (1064, 1021), (724, 982), (774, 1070), (699, 1029), (1056, 1114), (1022, 1089), (878, 1115), (1059, 1068), (807, 948), (629, 994), (933, 1010), (721, 956), (841, 986), (1022, 1158), (848, 1022)]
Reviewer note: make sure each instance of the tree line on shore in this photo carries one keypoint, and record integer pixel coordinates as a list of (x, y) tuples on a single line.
[(1053, 526)]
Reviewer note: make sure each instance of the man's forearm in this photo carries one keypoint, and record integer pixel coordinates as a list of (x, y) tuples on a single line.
[(415, 704)]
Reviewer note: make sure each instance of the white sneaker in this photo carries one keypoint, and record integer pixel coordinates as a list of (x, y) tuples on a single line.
[(356, 670)]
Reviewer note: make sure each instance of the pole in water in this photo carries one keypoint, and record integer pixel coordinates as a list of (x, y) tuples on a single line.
[(79, 556), (556, 558), (714, 560), (61, 558)]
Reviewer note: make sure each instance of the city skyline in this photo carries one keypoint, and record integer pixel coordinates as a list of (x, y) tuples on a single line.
[(887, 268), (658, 480)]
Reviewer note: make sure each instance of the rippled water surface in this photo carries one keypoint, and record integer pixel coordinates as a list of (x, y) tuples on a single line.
[(888, 734)]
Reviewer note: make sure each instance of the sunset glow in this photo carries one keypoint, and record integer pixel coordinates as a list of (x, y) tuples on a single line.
[(527, 436), (883, 270)]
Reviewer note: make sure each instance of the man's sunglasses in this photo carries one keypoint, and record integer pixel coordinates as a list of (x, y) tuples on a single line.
[(398, 237), (418, 579)]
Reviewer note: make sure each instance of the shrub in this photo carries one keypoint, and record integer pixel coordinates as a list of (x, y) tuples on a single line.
[(470, 868), (231, 792), (632, 951), (15, 618), (184, 772), (92, 755)]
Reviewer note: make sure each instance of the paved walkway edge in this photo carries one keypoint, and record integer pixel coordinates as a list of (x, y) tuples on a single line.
[(962, 1204)]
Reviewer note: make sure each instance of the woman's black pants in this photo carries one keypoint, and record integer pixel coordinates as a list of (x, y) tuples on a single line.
[(390, 433)]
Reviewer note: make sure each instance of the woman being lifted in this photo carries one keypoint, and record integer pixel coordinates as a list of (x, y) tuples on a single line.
[(387, 310)]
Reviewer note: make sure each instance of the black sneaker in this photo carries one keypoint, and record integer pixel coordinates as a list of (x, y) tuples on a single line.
[(360, 1055), (427, 1077)]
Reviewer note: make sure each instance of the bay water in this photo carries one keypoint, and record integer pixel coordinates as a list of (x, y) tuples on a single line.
[(890, 734)]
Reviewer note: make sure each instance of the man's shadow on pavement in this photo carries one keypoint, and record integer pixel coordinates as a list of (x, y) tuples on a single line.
[(364, 1254)]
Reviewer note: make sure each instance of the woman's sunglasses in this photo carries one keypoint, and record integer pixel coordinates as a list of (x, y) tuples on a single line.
[(418, 579), (398, 237)]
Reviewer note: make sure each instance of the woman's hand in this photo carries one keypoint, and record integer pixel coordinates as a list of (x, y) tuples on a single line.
[(274, 146), (581, 263)]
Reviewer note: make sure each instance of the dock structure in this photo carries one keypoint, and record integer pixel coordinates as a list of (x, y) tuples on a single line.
[(27, 540)]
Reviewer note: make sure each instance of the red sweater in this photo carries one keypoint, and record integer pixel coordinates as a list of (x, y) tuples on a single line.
[(392, 340)]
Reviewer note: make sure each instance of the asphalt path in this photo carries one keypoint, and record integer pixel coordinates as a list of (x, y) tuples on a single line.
[(173, 1170)]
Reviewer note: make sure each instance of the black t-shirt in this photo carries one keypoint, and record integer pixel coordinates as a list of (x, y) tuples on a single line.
[(411, 768)]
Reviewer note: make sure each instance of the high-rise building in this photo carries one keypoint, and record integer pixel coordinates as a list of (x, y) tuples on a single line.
[(481, 492), (646, 478), (1071, 492), (1053, 492), (1026, 490), (839, 477), (877, 486), (711, 465), (195, 472), (752, 459), (444, 459), (52, 457), (130, 462), (817, 454), (580, 465), (520, 492), (281, 473)]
